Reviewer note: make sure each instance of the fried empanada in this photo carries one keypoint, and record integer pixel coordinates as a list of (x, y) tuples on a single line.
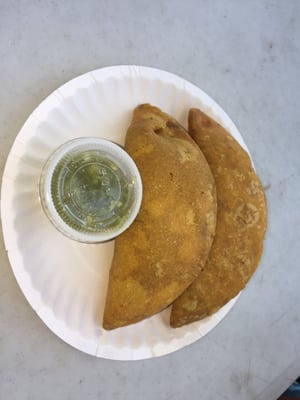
[(164, 249), (241, 224)]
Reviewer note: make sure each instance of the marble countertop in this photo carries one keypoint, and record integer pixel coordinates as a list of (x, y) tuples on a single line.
[(246, 56)]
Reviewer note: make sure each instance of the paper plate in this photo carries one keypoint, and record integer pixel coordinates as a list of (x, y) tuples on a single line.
[(65, 281)]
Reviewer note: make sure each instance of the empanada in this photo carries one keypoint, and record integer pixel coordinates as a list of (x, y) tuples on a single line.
[(164, 249), (241, 224)]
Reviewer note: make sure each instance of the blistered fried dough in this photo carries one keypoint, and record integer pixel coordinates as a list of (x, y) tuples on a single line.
[(164, 249), (241, 224)]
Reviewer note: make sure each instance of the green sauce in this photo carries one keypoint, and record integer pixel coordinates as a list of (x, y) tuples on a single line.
[(90, 192)]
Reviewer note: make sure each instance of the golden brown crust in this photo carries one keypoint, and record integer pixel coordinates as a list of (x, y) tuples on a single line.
[(164, 249), (241, 224)]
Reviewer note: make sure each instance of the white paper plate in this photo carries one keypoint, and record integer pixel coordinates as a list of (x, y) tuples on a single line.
[(64, 281)]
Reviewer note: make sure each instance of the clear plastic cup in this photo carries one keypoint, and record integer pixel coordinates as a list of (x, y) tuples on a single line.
[(91, 190)]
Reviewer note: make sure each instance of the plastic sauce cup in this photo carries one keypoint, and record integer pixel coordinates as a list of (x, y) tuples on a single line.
[(91, 190)]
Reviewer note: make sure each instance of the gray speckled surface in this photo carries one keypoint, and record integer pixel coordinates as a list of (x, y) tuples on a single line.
[(246, 56)]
